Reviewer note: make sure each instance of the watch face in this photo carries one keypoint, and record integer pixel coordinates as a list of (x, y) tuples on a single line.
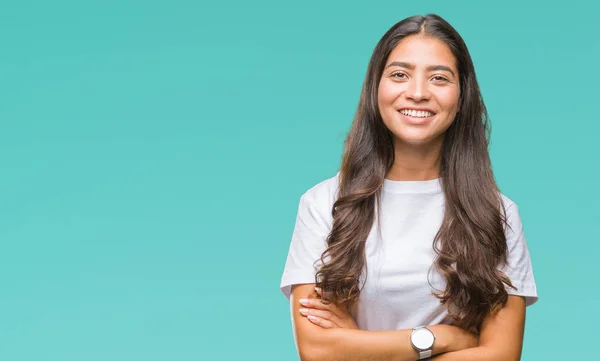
[(422, 338)]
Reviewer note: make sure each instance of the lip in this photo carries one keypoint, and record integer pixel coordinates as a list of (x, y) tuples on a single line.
[(414, 120)]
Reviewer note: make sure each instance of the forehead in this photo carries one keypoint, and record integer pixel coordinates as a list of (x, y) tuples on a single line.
[(422, 51)]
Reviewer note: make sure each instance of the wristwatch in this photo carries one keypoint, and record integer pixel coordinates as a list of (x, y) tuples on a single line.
[(422, 340)]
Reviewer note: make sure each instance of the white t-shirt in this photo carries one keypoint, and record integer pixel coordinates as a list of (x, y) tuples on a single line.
[(397, 290)]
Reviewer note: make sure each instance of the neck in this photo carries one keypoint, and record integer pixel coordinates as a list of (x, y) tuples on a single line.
[(415, 163)]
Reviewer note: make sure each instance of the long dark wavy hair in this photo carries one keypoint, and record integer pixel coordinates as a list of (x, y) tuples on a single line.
[(471, 243)]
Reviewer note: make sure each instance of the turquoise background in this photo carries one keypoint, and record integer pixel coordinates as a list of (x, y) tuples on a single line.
[(153, 154)]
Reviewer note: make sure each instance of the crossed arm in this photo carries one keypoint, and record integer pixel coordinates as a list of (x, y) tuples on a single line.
[(500, 339)]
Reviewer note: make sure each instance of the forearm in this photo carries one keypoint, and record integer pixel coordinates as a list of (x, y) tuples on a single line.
[(360, 345), (479, 353), (340, 344)]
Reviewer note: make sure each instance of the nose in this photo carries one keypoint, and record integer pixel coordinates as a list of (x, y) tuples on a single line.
[(417, 90)]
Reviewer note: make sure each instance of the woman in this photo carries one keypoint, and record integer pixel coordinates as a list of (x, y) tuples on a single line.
[(410, 251)]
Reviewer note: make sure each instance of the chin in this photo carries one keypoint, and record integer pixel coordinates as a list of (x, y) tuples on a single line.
[(414, 138), (415, 141)]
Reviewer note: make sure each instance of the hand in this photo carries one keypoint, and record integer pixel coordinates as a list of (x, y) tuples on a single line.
[(326, 315)]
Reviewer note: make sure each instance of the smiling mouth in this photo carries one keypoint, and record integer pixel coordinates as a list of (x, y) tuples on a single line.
[(417, 113), (416, 118)]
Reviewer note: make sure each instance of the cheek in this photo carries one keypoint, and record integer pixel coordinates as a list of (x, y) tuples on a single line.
[(448, 100), (387, 93)]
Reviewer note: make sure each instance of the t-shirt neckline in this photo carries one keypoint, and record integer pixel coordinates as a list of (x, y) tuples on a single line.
[(427, 186)]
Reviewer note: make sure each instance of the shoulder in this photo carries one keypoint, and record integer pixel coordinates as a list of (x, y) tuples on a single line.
[(324, 193), (512, 211), (316, 203), (507, 202)]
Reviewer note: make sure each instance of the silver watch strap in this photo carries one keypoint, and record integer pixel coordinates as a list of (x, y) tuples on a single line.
[(425, 354)]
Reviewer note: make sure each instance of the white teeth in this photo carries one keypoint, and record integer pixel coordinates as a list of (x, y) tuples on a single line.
[(416, 113)]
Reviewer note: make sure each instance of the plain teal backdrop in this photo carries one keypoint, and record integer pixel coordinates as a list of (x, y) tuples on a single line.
[(153, 153)]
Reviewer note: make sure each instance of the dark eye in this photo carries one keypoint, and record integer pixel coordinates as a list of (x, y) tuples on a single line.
[(398, 75), (439, 77)]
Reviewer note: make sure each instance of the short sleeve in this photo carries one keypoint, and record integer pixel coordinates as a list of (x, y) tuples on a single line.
[(308, 242), (519, 268)]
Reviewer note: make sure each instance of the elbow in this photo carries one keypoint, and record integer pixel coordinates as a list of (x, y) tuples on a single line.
[(509, 358), (514, 358), (311, 354), (503, 354), (315, 349)]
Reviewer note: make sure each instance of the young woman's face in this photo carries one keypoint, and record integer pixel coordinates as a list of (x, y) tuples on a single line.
[(419, 90)]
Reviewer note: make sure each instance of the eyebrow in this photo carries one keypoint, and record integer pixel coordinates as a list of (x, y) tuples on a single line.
[(412, 66)]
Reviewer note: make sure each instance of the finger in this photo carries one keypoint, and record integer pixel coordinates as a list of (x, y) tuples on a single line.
[(326, 315), (321, 322), (314, 303)]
